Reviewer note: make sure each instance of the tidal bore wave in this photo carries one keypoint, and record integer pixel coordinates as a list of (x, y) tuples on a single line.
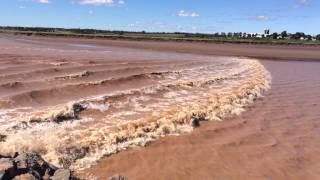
[(105, 116)]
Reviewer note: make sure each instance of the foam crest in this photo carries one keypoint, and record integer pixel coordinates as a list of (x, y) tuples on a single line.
[(93, 127)]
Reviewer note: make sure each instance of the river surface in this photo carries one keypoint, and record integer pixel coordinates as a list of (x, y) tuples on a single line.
[(74, 103)]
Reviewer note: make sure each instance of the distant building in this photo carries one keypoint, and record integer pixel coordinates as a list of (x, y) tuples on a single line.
[(266, 33)]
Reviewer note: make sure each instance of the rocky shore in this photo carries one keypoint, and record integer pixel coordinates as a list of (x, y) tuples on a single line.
[(30, 166)]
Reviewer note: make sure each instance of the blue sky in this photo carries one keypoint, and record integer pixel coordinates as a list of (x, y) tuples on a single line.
[(206, 16)]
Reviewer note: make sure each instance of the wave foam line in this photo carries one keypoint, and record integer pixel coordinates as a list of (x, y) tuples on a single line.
[(80, 148)]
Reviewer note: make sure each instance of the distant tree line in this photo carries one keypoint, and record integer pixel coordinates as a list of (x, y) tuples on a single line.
[(283, 35), (230, 35)]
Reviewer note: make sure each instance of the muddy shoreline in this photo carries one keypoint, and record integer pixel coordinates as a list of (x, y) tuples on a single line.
[(268, 52)]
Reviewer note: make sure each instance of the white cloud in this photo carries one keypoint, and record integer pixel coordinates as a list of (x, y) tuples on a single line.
[(183, 13), (37, 1), (44, 1), (261, 18), (101, 2)]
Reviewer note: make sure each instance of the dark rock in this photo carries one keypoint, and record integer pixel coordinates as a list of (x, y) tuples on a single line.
[(77, 108), (31, 162), (2, 137), (62, 174), (35, 174), (30, 166), (118, 177), (7, 168), (25, 177), (46, 176), (195, 122), (74, 114)]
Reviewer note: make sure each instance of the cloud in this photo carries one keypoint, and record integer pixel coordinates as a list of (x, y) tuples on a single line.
[(37, 1), (261, 18), (302, 3), (131, 25), (183, 13), (44, 1), (101, 2)]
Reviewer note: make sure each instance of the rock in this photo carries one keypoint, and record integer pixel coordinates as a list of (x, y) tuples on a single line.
[(2, 137), (25, 177), (46, 176), (5, 163), (61, 174), (7, 168), (30, 166), (195, 122), (118, 177), (77, 108), (31, 162)]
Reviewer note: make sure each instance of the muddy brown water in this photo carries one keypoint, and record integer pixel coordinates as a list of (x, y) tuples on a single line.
[(277, 137)]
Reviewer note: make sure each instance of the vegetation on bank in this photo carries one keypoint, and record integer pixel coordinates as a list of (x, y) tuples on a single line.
[(282, 38)]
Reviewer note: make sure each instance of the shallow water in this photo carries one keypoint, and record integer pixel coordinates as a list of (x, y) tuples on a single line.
[(98, 101)]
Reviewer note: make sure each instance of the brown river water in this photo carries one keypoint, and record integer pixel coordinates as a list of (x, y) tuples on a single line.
[(75, 103), (277, 137)]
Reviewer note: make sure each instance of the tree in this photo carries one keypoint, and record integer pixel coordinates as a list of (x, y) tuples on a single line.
[(284, 34), (244, 35), (274, 35), (236, 35), (318, 37), (298, 35), (309, 37)]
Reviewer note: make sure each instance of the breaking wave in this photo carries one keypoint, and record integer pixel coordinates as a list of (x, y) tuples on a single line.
[(111, 115)]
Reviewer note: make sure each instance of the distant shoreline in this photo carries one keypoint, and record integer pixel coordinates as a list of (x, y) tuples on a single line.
[(162, 38), (259, 51)]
